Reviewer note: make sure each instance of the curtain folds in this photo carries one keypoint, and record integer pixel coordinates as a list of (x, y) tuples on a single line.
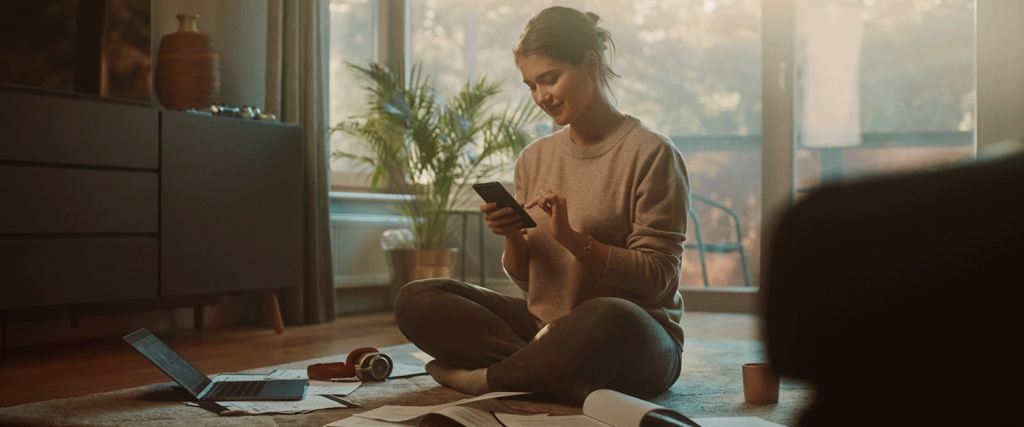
[(296, 93)]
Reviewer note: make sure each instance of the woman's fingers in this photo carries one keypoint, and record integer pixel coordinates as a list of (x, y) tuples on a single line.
[(504, 220), (501, 221), (497, 213), (510, 228)]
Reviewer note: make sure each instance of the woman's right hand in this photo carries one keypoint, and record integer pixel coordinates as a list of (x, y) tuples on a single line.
[(502, 222)]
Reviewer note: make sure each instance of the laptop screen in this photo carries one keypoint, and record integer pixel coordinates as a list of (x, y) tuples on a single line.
[(168, 361)]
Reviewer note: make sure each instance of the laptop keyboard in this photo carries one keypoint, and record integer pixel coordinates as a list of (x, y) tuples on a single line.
[(236, 389)]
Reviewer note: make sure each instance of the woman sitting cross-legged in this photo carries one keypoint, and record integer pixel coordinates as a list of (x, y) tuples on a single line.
[(610, 197)]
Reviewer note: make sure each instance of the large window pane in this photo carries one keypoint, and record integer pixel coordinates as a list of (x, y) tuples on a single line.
[(352, 33), (459, 40), (884, 86), (690, 69)]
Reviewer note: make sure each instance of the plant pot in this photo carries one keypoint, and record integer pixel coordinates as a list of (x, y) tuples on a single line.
[(409, 265)]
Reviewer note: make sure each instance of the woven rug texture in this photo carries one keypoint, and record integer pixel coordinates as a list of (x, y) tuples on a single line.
[(710, 385)]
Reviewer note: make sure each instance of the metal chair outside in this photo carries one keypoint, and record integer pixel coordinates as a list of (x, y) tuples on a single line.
[(717, 248)]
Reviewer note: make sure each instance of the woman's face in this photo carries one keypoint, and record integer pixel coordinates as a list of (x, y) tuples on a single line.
[(561, 89)]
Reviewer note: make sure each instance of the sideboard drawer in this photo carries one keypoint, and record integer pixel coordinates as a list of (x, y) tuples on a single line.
[(46, 272), (51, 129), (36, 200)]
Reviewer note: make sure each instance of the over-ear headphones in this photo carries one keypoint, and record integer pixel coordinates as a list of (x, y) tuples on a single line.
[(367, 363)]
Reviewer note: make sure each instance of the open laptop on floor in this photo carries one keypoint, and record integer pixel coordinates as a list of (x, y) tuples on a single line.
[(200, 386)]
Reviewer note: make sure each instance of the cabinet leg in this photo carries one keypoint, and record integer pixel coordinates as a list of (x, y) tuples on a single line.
[(199, 316), (274, 311)]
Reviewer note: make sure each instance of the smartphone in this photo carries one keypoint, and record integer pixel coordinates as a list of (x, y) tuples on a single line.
[(494, 192)]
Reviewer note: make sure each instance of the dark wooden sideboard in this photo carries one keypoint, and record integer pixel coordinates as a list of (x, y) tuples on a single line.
[(112, 205)]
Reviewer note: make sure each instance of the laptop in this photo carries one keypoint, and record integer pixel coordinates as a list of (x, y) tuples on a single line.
[(200, 386)]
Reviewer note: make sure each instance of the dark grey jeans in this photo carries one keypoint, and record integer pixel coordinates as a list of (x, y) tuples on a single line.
[(603, 343)]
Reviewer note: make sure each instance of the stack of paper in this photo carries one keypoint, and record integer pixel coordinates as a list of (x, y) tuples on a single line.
[(307, 404), (476, 411), (603, 408), (319, 394), (400, 370)]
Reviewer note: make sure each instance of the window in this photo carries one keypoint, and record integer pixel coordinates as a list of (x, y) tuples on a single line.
[(884, 86), (353, 28), (880, 86), (688, 70), (692, 70)]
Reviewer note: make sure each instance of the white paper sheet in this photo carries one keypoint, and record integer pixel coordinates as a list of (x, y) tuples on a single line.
[(422, 356), (308, 404), (288, 374), (617, 409), (406, 413), (327, 387), (474, 414), (511, 420), (735, 422), (402, 370), (355, 421), (238, 377)]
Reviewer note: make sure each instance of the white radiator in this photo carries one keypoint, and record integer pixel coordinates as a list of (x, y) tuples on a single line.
[(357, 258)]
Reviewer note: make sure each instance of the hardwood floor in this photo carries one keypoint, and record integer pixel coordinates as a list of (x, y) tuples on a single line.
[(50, 371)]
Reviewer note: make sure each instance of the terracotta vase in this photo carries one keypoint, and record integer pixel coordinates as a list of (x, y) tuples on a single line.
[(408, 265), (187, 74)]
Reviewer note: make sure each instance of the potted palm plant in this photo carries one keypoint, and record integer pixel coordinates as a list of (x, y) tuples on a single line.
[(432, 149)]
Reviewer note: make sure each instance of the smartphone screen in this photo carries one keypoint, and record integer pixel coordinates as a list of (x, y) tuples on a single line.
[(494, 192)]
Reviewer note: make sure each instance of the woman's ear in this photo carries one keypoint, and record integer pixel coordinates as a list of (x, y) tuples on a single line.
[(591, 64)]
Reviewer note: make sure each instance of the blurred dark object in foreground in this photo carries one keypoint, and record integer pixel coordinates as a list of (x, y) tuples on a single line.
[(897, 297)]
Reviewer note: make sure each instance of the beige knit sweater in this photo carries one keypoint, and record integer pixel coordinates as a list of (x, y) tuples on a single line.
[(631, 192)]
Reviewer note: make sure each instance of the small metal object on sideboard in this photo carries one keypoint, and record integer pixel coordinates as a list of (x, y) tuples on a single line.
[(244, 112)]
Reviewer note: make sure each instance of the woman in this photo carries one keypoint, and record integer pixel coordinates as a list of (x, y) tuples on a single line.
[(610, 197)]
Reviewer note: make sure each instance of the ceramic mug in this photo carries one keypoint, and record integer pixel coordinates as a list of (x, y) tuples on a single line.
[(760, 383)]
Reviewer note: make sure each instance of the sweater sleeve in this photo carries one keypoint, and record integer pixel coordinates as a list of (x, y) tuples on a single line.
[(519, 195), (649, 264)]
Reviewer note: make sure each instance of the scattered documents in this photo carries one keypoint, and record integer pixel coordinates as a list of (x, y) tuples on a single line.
[(331, 388), (307, 404), (288, 374), (602, 408), (477, 414), (422, 356), (406, 413), (510, 420), (239, 377), (402, 370), (735, 422), (355, 421)]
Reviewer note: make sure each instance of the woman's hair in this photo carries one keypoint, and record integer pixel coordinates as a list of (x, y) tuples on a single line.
[(567, 34)]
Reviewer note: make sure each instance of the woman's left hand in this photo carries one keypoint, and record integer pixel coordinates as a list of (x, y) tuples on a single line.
[(557, 213)]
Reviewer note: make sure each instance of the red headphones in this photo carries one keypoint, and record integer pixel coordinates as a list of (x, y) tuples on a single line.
[(367, 363)]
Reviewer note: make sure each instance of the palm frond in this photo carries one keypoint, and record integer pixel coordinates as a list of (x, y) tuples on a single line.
[(429, 147)]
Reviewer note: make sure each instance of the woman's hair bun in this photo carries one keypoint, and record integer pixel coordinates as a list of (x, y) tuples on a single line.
[(594, 19)]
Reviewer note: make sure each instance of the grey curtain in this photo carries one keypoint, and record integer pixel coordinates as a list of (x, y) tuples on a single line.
[(296, 93)]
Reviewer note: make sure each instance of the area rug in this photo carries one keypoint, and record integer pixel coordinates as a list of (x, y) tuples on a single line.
[(710, 385)]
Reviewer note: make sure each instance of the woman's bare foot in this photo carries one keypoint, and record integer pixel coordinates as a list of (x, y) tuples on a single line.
[(464, 380)]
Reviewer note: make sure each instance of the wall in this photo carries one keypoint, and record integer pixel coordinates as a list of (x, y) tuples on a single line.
[(1000, 67), (238, 29)]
